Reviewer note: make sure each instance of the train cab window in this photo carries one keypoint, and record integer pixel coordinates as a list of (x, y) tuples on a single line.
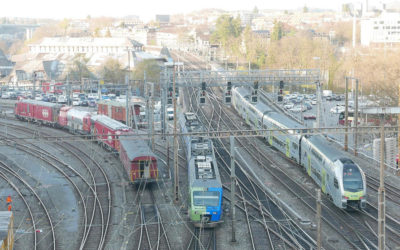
[(352, 179), (335, 183), (206, 198)]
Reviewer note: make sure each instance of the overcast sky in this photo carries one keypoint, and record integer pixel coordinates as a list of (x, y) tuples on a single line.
[(146, 9)]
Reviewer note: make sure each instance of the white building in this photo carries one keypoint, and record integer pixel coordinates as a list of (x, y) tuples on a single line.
[(74, 45), (384, 29)]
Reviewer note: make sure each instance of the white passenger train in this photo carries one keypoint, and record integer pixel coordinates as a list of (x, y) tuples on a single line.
[(337, 175)]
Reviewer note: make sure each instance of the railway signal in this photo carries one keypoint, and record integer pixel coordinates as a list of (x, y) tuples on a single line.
[(254, 93), (228, 93), (203, 93), (280, 93)]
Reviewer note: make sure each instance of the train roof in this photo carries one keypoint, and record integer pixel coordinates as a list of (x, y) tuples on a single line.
[(285, 121), (136, 147), (80, 114), (203, 172), (42, 103), (326, 147), (109, 122), (192, 123), (112, 103)]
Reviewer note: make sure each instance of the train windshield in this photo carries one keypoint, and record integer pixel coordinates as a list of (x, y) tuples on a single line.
[(352, 180), (206, 198)]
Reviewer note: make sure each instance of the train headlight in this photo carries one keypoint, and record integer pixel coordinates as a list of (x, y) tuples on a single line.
[(345, 197), (362, 198)]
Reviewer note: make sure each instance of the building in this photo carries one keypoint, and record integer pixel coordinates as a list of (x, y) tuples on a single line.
[(382, 30), (6, 66), (162, 19), (75, 45)]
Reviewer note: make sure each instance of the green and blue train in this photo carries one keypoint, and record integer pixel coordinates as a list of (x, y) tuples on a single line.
[(205, 187)]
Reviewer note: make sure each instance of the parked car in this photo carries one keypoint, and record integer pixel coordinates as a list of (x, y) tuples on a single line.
[(75, 101), (84, 102), (298, 108), (62, 99), (337, 109), (309, 116), (92, 103), (5, 95), (288, 106)]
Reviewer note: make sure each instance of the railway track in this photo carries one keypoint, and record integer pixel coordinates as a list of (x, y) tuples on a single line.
[(96, 208), (262, 232), (365, 239)]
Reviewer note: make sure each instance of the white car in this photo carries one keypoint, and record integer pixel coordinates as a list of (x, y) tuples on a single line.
[(314, 102), (288, 106), (5, 95), (337, 109), (76, 102), (62, 99), (298, 108), (38, 97)]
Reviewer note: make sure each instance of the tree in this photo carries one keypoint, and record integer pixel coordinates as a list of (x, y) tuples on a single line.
[(277, 31), (152, 70), (112, 72), (255, 10), (79, 69), (226, 28)]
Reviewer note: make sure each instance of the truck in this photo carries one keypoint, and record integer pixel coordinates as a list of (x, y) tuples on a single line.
[(327, 93)]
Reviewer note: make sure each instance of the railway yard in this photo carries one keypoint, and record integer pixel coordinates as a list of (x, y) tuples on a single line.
[(69, 192)]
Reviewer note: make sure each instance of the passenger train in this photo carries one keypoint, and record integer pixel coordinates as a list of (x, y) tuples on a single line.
[(135, 155), (205, 187), (339, 177)]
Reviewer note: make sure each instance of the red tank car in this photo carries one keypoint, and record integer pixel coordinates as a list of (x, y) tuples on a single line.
[(107, 131), (76, 121), (42, 112), (138, 160)]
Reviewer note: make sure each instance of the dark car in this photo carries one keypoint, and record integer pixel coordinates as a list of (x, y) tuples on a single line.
[(45, 98), (84, 103), (13, 96), (52, 99), (92, 103), (338, 98)]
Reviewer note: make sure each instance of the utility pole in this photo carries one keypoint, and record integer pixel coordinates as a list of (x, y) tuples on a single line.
[(319, 219), (381, 192), (233, 187), (319, 103), (346, 147), (151, 114), (128, 105), (34, 86), (356, 121), (176, 174)]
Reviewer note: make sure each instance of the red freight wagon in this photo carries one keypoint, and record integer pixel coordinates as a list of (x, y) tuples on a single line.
[(108, 130), (43, 112), (138, 160), (76, 121), (55, 88), (113, 109)]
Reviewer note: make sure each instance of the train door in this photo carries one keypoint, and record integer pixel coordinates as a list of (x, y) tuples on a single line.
[(109, 110), (323, 181), (287, 148), (144, 169)]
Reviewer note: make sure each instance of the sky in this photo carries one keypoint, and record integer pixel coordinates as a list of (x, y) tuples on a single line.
[(146, 9)]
